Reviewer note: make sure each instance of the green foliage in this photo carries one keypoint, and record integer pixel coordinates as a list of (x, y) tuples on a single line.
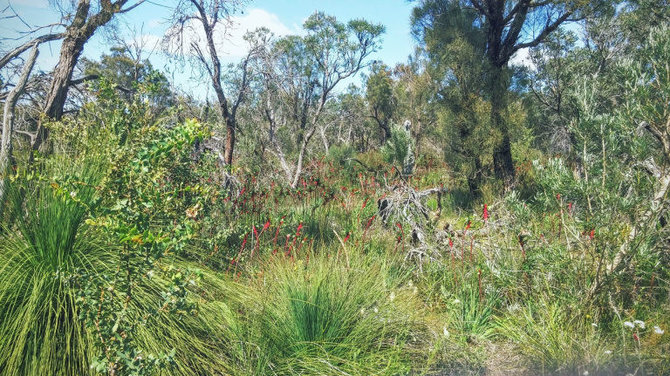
[(325, 318), (553, 341), (380, 97), (395, 151), (48, 241)]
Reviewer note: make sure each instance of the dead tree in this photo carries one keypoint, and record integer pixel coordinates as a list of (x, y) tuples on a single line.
[(8, 116), (208, 14)]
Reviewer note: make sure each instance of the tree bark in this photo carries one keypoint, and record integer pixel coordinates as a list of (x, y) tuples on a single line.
[(8, 117)]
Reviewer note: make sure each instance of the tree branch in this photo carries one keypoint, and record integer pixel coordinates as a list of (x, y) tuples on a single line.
[(34, 42)]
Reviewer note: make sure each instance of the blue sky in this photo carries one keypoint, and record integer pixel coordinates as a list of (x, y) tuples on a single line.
[(281, 16)]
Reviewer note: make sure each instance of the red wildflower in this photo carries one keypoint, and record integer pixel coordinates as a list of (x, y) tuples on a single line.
[(244, 242), (592, 234), (347, 237), (365, 203), (635, 337), (451, 243), (255, 231), (486, 212), (299, 228), (467, 227), (266, 225)]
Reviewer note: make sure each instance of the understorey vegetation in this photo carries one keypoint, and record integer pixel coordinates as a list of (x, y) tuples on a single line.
[(457, 215)]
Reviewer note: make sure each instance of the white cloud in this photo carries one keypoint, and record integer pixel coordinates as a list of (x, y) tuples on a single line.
[(522, 58), (229, 38), (234, 44)]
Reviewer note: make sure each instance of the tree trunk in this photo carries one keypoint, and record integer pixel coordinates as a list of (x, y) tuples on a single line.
[(502, 153), (230, 141), (8, 117), (387, 130)]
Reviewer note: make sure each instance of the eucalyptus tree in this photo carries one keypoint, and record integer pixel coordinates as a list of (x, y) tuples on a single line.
[(212, 18), (380, 97), (505, 27), (299, 75)]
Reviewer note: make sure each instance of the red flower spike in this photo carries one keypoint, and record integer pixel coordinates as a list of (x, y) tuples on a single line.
[(592, 234), (266, 225), (451, 243), (467, 227), (347, 237), (486, 213)]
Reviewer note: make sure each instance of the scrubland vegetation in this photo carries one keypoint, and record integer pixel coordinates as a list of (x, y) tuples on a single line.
[(458, 215)]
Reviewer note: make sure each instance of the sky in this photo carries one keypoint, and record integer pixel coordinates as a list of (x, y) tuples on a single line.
[(283, 17)]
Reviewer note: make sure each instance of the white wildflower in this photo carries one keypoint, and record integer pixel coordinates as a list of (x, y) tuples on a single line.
[(594, 325), (73, 194), (608, 352), (392, 296), (456, 301), (629, 324), (376, 310), (658, 330), (362, 311), (586, 373), (445, 332), (150, 274), (415, 291), (192, 282), (639, 323)]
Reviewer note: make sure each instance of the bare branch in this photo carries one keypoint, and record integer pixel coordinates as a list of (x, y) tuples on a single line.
[(24, 47)]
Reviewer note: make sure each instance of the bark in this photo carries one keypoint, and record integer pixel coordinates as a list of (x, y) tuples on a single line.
[(8, 117)]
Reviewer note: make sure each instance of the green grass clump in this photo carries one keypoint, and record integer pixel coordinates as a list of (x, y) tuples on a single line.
[(321, 318), (551, 340), (40, 332)]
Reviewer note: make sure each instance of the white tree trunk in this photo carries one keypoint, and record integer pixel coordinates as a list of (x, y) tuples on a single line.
[(8, 117)]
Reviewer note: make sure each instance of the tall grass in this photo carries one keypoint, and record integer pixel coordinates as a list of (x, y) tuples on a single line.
[(40, 332), (551, 340), (321, 318)]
